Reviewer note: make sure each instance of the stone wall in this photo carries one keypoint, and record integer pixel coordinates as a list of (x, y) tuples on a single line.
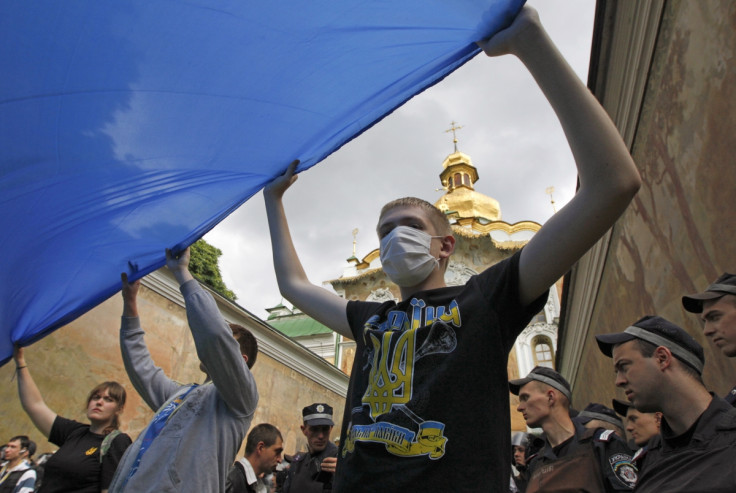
[(678, 235)]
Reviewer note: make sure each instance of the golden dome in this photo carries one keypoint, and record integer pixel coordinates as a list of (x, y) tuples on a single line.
[(461, 200), (469, 203)]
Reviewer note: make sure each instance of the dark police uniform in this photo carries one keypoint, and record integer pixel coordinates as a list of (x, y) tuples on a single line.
[(702, 460), (731, 397), (592, 461), (305, 474)]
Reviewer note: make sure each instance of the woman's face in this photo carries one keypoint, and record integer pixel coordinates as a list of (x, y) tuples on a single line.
[(102, 408)]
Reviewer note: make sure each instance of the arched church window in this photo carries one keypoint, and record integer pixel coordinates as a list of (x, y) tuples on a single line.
[(466, 180), (458, 179), (450, 183), (542, 351)]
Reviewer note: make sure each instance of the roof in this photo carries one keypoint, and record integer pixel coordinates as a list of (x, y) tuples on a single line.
[(299, 326)]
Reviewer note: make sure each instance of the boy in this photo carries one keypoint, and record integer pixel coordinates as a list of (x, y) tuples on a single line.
[(428, 398)]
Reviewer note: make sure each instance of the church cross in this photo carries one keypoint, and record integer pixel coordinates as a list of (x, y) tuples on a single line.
[(453, 128)]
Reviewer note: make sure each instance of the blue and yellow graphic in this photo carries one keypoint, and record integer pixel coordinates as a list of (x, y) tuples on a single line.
[(392, 342), (429, 441)]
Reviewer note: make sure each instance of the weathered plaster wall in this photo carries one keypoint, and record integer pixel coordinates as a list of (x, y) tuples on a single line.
[(679, 233), (68, 363)]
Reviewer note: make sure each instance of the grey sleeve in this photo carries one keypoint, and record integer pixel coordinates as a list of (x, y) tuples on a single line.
[(148, 379), (219, 351)]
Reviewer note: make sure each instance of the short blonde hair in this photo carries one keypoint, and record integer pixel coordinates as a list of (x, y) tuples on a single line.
[(437, 217)]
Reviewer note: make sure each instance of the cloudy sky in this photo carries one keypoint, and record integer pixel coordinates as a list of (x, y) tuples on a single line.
[(509, 131)]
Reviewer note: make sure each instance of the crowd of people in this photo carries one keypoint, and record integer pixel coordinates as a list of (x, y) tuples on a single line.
[(427, 406), (678, 437)]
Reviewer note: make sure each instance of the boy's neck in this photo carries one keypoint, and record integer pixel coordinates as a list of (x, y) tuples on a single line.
[(434, 281)]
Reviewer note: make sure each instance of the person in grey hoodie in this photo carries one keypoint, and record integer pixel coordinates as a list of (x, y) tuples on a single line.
[(192, 440)]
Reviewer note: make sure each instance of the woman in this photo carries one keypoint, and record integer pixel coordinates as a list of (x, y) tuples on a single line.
[(77, 465)]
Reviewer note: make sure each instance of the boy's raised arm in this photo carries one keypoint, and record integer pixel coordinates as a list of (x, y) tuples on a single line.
[(325, 307), (608, 176)]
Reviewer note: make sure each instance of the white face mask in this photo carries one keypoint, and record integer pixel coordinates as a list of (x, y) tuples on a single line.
[(405, 256)]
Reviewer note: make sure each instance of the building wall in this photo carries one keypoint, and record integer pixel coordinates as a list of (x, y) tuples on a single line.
[(72, 360), (678, 235)]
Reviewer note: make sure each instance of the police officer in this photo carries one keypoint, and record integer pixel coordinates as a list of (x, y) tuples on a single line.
[(518, 453), (574, 458), (717, 307), (640, 427), (659, 366), (312, 472), (599, 416)]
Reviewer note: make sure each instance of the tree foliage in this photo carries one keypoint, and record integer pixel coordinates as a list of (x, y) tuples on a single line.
[(205, 267)]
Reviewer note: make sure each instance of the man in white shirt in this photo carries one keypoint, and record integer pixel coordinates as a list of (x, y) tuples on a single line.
[(17, 475), (263, 449)]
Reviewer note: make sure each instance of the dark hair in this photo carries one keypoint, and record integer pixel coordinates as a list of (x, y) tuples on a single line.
[(647, 349), (25, 443), (247, 341), (117, 392), (263, 432), (437, 217)]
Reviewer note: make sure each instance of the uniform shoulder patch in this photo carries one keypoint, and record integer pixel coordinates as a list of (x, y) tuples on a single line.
[(623, 469), (606, 436)]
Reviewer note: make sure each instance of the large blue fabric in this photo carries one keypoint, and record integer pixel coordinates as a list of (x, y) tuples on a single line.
[(132, 126)]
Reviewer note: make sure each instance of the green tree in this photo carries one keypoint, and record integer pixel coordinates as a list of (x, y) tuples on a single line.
[(204, 266)]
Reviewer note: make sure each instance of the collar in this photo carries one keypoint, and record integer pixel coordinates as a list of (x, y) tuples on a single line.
[(548, 451), (719, 415), (250, 474), (22, 466)]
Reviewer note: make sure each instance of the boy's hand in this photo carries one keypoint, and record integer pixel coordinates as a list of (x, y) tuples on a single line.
[(506, 42), (179, 265), (130, 296), (20, 360), (278, 186), (130, 290)]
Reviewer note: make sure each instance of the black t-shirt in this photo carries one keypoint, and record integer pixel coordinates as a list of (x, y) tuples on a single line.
[(76, 467), (428, 400)]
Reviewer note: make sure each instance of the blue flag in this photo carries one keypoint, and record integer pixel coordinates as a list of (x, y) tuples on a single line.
[(129, 127)]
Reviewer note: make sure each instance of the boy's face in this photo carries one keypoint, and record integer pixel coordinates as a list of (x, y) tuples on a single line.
[(13, 450), (413, 217), (641, 427), (519, 455), (719, 317), (533, 404), (270, 457), (637, 376), (317, 437)]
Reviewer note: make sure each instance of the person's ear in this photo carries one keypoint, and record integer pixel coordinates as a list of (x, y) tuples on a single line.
[(448, 246), (245, 357), (663, 357), (551, 397)]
